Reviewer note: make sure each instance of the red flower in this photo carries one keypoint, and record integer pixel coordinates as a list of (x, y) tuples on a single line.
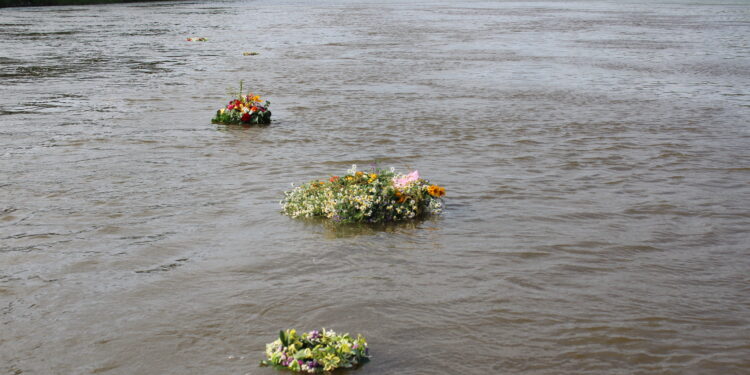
[(245, 117), (334, 178), (230, 107)]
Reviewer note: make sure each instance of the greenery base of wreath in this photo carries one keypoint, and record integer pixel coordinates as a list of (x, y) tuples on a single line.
[(377, 196), (229, 118), (316, 351)]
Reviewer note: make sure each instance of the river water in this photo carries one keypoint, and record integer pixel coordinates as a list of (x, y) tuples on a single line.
[(596, 156)]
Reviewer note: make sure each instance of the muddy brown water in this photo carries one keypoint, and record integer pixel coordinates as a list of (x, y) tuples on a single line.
[(596, 156)]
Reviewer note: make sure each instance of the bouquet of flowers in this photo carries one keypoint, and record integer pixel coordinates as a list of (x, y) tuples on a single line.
[(375, 197), (315, 351), (245, 109)]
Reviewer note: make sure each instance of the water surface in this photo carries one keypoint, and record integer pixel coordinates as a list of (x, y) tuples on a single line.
[(596, 156)]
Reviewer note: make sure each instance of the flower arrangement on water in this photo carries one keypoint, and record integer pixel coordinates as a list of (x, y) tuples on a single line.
[(244, 109), (315, 351), (375, 197)]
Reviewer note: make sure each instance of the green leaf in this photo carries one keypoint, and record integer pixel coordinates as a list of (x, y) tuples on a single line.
[(303, 354), (282, 337), (295, 366)]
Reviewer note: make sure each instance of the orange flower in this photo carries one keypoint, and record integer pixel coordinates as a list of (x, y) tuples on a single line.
[(401, 197), (334, 178), (436, 191)]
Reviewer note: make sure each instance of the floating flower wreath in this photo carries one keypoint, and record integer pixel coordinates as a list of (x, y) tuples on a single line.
[(375, 197), (315, 351), (246, 109)]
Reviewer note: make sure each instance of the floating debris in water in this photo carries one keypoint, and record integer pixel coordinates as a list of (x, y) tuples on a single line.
[(377, 196), (316, 351), (250, 53), (196, 39), (246, 109)]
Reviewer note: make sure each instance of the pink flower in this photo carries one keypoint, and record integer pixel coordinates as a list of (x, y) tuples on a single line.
[(400, 182)]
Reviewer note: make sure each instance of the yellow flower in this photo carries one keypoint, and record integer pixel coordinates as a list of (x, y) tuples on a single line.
[(360, 174), (436, 191), (346, 348), (373, 177)]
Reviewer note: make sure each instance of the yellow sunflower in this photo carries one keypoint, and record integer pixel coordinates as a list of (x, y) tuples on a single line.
[(436, 191)]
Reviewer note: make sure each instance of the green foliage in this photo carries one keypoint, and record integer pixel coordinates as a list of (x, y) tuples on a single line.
[(316, 351), (235, 118)]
